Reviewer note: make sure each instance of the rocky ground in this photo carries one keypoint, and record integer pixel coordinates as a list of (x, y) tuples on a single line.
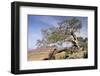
[(51, 54)]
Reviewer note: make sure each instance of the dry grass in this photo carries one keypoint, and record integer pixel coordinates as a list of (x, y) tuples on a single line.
[(37, 56)]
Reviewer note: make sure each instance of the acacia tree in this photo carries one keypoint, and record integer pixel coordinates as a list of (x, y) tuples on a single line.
[(65, 31)]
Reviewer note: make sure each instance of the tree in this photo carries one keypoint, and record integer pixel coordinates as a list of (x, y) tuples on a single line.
[(64, 32)]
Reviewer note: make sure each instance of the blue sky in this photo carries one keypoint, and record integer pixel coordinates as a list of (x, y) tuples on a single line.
[(38, 22)]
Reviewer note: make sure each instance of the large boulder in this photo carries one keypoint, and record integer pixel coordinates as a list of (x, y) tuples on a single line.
[(61, 55)]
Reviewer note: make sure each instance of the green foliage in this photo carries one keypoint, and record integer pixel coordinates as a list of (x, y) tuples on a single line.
[(55, 36), (83, 43), (73, 24), (61, 32)]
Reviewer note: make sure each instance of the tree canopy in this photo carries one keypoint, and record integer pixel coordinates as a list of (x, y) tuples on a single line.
[(65, 31)]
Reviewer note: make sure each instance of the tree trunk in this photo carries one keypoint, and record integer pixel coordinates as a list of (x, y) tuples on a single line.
[(75, 43), (52, 53), (74, 40)]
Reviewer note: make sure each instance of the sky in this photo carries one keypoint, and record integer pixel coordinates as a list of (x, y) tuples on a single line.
[(38, 22)]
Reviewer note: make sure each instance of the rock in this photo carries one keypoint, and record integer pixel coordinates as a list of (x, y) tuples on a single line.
[(61, 55), (78, 55)]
